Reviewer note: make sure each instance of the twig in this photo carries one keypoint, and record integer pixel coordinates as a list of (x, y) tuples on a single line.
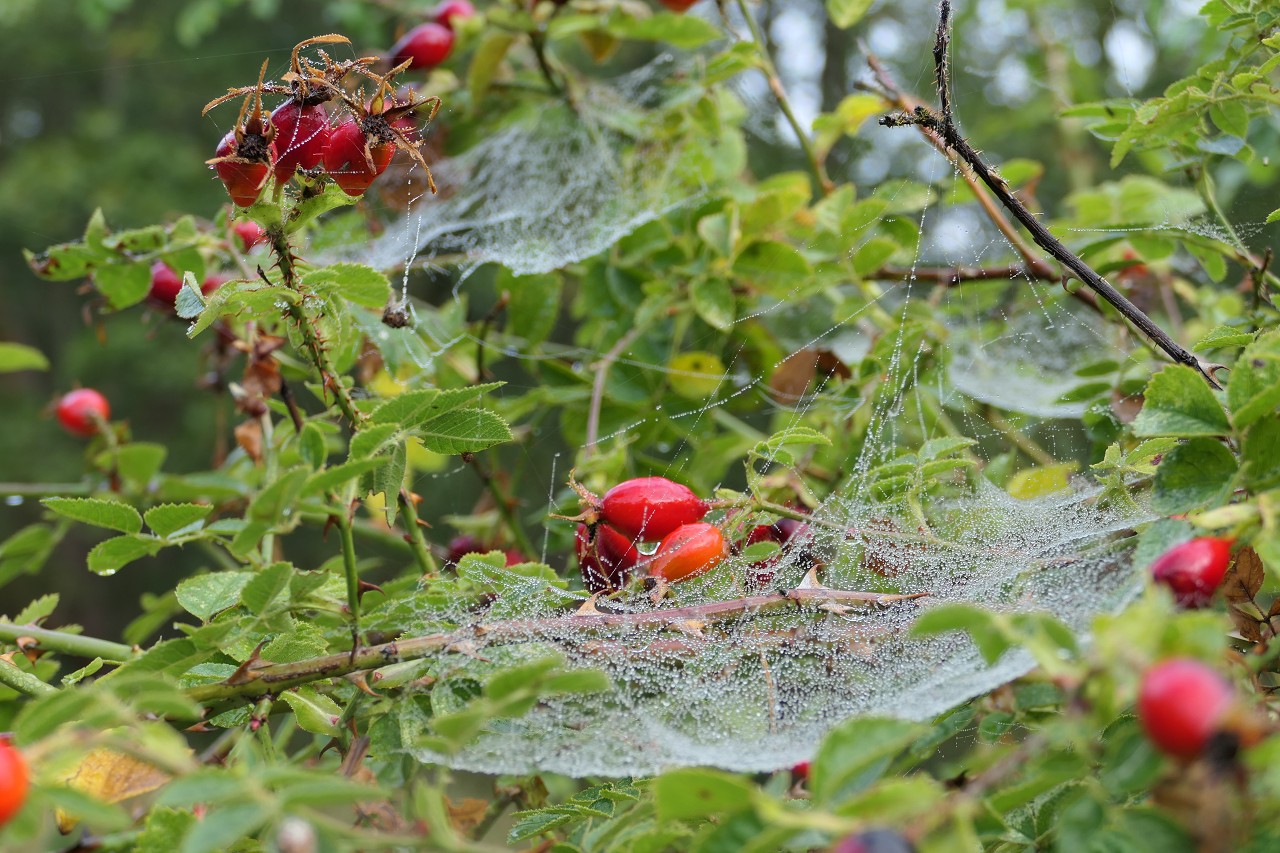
[(944, 125), (824, 184), (22, 681), (273, 678), (601, 369), (417, 542), (71, 644), (951, 276)]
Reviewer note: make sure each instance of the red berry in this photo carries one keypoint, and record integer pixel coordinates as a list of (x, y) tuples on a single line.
[(165, 284), (81, 411), (460, 546), (249, 232), (243, 175), (211, 283), (13, 781), (1180, 704), (450, 10), (651, 507), (425, 46), (1193, 570), (800, 772), (606, 559), (301, 136), (689, 551), (679, 6), (514, 556), (348, 154), (873, 841)]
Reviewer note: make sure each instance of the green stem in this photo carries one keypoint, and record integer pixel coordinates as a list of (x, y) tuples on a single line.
[(272, 470), (349, 569), (775, 84), (71, 644), (329, 378), (417, 542), (505, 510), (45, 490), (23, 682), (1018, 439)]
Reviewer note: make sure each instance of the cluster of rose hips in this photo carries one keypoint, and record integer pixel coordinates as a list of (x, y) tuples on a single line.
[(13, 780), (655, 509), (299, 137)]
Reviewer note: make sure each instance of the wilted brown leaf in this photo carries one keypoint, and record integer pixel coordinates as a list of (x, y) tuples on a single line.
[(466, 814), (249, 437), (1244, 578)]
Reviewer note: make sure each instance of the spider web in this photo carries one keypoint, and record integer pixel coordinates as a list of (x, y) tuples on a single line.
[(759, 690)]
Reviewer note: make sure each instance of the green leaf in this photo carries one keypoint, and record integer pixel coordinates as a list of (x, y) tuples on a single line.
[(485, 63), (1260, 455), (534, 823), (269, 505), (404, 409), (371, 440), (846, 13), (773, 265), (111, 555), (312, 447), (683, 31), (1195, 475), (1178, 402), (713, 300), (204, 595), (167, 519), (331, 478), (534, 305), (354, 282), (266, 586), (981, 626), (316, 713), (855, 754), (695, 793), (136, 463), (21, 357), (1221, 337), (222, 826), (872, 255), (464, 431), (109, 514), (123, 284), (1253, 389)]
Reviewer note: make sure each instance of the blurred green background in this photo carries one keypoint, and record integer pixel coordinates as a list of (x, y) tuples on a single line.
[(100, 107)]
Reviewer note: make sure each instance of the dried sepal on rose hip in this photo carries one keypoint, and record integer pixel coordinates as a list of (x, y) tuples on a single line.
[(244, 158), (361, 147)]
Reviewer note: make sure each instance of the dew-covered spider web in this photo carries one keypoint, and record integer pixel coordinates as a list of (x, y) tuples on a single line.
[(756, 688)]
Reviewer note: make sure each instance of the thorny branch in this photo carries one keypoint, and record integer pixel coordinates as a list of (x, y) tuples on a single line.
[(944, 126), (250, 682)]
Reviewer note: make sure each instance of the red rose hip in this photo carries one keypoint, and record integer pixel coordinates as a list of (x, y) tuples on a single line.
[(13, 781), (649, 508), (1181, 704), (354, 160), (302, 132), (606, 557), (1193, 570), (250, 233), (689, 551), (452, 10), (165, 284), (679, 6), (81, 411), (424, 46)]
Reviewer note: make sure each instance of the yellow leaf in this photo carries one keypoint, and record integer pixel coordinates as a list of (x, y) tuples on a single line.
[(111, 776), (1045, 480)]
